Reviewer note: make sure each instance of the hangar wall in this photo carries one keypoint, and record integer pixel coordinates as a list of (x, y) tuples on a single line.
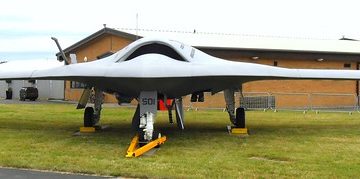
[(3, 88), (297, 86), (108, 42), (48, 89), (309, 86)]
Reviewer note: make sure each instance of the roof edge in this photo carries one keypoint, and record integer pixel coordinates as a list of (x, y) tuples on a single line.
[(95, 35), (274, 50)]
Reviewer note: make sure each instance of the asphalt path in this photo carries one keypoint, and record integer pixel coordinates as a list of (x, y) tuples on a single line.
[(11, 173), (43, 101)]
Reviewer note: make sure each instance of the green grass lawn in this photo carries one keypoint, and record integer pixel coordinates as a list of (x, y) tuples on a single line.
[(282, 144)]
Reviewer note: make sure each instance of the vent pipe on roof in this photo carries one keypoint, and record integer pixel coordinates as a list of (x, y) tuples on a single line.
[(67, 62), (137, 25)]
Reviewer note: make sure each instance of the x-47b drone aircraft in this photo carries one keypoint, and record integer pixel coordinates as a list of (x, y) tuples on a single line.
[(151, 69)]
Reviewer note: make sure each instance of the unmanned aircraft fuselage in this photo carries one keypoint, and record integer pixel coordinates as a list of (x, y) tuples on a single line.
[(150, 69), (168, 67)]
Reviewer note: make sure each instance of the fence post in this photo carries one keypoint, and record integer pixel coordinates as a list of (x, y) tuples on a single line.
[(268, 101), (310, 102)]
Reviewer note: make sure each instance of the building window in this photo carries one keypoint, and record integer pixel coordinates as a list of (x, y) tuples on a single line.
[(347, 65), (75, 84), (105, 55), (275, 63), (32, 81)]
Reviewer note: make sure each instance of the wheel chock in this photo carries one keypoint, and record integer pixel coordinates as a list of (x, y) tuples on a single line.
[(242, 131), (87, 129), (132, 147), (133, 151), (237, 130)]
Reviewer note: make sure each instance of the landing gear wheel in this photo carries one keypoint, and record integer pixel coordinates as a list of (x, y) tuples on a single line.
[(136, 119), (240, 118), (22, 97), (89, 117), (142, 141), (156, 135)]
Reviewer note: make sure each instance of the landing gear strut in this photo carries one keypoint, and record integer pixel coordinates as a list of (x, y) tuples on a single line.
[(91, 114), (177, 104), (143, 123), (144, 117), (238, 119)]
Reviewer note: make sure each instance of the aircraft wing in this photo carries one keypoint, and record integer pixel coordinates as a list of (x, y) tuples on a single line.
[(27, 70), (177, 70)]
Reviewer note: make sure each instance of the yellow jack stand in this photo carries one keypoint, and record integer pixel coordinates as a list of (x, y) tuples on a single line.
[(241, 131), (133, 151), (238, 131), (87, 129)]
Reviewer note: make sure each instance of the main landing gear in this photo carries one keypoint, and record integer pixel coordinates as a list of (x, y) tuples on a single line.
[(91, 114), (238, 118)]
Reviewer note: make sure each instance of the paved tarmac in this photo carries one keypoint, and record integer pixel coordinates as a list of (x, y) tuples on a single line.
[(11, 173), (43, 101)]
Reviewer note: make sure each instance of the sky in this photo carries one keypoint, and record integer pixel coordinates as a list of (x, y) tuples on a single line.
[(26, 26)]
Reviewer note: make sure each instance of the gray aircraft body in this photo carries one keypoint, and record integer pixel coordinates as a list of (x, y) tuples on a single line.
[(151, 68)]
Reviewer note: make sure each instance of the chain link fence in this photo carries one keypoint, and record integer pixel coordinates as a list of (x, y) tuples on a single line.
[(280, 101)]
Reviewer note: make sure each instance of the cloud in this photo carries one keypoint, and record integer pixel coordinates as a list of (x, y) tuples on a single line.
[(28, 25), (12, 56)]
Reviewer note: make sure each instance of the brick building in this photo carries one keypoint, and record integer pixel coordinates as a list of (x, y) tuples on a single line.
[(282, 52)]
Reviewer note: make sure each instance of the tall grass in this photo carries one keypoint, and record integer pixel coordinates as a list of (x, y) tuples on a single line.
[(282, 144)]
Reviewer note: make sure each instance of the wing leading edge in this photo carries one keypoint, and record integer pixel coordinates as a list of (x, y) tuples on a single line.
[(157, 71)]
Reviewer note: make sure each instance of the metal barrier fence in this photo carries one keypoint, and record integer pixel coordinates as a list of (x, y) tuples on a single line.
[(280, 101)]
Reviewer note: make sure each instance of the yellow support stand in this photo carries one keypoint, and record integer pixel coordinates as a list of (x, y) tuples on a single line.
[(238, 131), (87, 129), (241, 131), (135, 152), (134, 143)]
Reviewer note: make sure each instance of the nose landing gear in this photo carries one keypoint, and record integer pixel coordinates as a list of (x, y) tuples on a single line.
[(143, 122)]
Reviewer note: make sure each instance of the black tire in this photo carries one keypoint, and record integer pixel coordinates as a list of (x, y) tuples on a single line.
[(156, 136), (194, 98), (240, 118), (136, 119), (8, 94), (22, 96), (142, 141), (201, 97), (89, 117)]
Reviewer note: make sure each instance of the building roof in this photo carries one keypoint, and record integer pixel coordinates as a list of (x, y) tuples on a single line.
[(235, 42), (253, 42), (98, 34)]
